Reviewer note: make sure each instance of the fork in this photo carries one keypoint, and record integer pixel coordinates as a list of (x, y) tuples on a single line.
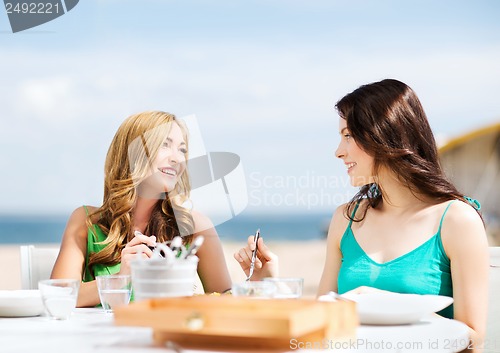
[(254, 254)]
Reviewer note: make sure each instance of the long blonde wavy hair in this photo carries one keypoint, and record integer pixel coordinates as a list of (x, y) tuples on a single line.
[(128, 162)]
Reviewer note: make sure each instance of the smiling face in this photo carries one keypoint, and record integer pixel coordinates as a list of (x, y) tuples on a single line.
[(359, 163), (168, 166), (171, 158)]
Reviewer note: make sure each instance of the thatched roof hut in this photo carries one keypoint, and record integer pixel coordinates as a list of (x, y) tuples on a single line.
[(472, 162)]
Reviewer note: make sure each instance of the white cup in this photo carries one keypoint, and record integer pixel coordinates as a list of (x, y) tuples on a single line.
[(59, 296)]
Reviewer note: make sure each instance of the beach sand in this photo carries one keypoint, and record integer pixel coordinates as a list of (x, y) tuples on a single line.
[(297, 259)]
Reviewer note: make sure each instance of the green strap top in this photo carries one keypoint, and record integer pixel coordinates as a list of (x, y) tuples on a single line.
[(424, 270), (94, 236)]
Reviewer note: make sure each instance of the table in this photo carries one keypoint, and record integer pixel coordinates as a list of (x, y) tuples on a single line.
[(91, 330)]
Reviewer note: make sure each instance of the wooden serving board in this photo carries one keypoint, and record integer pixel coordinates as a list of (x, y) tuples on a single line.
[(225, 321)]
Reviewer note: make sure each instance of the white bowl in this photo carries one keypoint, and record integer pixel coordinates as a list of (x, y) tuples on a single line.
[(163, 288), (163, 278), (254, 289), (20, 303), (396, 309)]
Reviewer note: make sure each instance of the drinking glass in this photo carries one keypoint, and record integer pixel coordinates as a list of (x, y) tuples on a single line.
[(114, 291), (59, 296), (286, 287), (254, 289)]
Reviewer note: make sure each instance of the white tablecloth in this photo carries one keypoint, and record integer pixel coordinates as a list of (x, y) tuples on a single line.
[(90, 330)]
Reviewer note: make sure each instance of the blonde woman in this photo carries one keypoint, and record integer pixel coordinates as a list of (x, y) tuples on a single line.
[(145, 184)]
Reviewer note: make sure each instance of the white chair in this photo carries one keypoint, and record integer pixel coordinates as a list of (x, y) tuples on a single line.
[(493, 328), (36, 264)]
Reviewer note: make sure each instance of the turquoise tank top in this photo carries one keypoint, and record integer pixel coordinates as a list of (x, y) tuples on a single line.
[(424, 270), (94, 236)]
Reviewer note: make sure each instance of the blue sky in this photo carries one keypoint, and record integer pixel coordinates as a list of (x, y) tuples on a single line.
[(262, 78)]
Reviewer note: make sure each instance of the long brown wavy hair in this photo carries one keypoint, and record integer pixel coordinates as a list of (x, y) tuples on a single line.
[(387, 121), (128, 162)]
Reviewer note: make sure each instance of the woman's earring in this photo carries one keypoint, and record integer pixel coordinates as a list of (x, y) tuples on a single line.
[(373, 191)]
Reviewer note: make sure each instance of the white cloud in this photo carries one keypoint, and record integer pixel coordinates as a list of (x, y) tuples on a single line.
[(51, 99)]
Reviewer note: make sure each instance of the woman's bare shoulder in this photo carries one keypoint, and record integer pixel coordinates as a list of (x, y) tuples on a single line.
[(461, 213), (339, 215), (339, 223), (201, 221), (77, 223), (343, 212), (462, 226)]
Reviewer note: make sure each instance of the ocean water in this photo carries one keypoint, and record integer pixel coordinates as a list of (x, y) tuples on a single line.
[(19, 229)]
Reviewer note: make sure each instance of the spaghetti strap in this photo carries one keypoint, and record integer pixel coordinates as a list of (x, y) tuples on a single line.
[(90, 229), (353, 213), (442, 217)]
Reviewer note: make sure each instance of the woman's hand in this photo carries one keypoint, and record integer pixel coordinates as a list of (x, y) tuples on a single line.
[(139, 244), (266, 262)]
